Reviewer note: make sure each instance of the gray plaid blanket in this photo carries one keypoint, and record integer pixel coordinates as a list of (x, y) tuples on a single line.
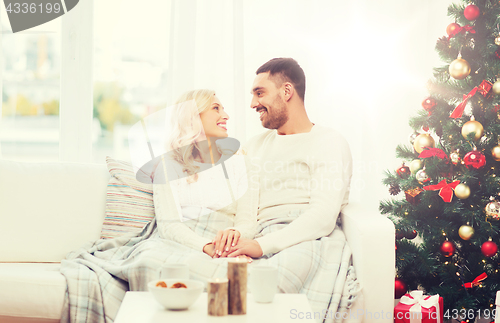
[(99, 274)]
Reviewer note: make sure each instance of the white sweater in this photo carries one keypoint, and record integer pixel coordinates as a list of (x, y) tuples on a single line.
[(181, 206), (308, 171)]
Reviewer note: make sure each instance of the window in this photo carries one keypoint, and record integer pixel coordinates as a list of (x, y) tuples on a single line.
[(131, 57), (29, 124)]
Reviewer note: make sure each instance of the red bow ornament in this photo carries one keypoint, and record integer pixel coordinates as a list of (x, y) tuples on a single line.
[(459, 110), (477, 281), (462, 30), (445, 190)]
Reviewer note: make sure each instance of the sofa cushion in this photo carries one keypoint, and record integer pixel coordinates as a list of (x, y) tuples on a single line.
[(129, 203), (31, 290), (49, 209)]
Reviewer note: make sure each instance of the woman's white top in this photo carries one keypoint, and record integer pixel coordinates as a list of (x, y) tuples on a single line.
[(185, 211)]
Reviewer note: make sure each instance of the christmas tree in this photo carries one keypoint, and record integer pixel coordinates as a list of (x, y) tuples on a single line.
[(450, 177)]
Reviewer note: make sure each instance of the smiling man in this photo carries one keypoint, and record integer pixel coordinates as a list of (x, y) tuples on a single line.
[(302, 170)]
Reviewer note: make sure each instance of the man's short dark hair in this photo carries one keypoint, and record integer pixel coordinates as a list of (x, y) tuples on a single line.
[(285, 70)]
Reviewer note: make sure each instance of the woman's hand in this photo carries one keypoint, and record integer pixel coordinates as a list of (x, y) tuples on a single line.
[(224, 240), (248, 259)]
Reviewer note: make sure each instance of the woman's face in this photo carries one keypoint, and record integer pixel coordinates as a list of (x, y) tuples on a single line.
[(214, 120)]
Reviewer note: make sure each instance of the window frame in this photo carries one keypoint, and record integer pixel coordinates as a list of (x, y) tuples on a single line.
[(76, 100)]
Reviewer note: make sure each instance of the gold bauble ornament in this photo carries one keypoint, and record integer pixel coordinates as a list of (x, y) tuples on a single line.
[(496, 87), (459, 69), (462, 191), (423, 140), (466, 232), (472, 126), (416, 165), (497, 40), (495, 153)]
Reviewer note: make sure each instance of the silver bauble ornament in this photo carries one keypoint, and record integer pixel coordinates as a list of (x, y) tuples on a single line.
[(455, 158), (492, 210), (421, 176), (411, 138)]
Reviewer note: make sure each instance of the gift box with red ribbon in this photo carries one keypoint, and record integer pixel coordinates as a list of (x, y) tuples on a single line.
[(497, 303), (416, 307)]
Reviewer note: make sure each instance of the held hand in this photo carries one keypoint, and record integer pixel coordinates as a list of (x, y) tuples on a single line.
[(209, 249), (224, 240), (248, 259), (246, 247)]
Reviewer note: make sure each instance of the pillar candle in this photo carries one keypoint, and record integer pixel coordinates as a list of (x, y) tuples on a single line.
[(237, 276), (217, 297)]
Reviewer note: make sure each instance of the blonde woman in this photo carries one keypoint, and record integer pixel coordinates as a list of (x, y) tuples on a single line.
[(202, 202)]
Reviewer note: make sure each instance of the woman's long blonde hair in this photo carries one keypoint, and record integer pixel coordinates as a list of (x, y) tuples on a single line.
[(187, 128)]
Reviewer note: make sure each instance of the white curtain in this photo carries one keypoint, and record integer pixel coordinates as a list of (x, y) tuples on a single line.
[(366, 64)]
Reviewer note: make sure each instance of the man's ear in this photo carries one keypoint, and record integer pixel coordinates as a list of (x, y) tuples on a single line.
[(289, 91)]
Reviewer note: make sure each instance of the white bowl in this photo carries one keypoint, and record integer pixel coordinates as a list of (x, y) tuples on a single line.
[(176, 298)]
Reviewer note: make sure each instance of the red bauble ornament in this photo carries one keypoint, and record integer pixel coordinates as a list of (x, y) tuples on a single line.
[(428, 104), (447, 248), (474, 159), (400, 288), (411, 234), (489, 248), (400, 234), (403, 172), (451, 28), (471, 12)]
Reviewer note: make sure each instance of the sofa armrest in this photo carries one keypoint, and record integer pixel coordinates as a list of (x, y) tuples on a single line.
[(371, 238)]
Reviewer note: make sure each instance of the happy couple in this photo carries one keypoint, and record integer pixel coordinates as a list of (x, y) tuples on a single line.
[(277, 203), (296, 174)]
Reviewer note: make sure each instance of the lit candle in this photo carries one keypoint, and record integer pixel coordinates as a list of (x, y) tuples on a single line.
[(237, 275), (217, 297)]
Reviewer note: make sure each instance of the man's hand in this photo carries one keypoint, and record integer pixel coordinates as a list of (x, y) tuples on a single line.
[(224, 240), (246, 247), (209, 249)]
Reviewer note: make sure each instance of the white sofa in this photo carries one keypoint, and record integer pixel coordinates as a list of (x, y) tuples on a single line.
[(49, 209)]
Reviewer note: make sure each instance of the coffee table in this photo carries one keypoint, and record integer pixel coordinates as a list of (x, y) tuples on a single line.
[(142, 307)]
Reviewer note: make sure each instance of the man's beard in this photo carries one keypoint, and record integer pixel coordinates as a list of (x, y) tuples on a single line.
[(278, 117)]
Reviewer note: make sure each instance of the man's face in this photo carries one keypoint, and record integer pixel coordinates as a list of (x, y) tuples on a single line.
[(268, 102)]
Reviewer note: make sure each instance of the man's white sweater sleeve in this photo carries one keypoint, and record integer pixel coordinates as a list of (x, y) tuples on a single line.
[(326, 200), (245, 191)]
